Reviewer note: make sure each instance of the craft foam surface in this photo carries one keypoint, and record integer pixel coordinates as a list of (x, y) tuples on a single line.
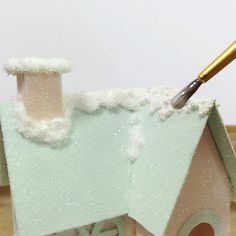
[(206, 189), (83, 182), (41, 95), (160, 171), (90, 178), (225, 148), (91, 175), (37, 65)]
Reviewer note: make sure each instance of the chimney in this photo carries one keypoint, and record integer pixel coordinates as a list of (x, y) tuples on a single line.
[(39, 85)]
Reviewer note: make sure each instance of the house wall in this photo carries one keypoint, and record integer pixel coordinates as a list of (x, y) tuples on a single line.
[(206, 188), (133, 228)]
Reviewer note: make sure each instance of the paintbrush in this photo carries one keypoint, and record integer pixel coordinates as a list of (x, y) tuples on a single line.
[(181, 98)]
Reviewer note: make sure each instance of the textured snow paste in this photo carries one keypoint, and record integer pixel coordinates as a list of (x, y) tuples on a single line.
[(136, 141), (37, 65), (56, 131)]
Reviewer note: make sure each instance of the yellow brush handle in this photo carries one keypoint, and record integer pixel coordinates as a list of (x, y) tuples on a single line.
[(219, 63)]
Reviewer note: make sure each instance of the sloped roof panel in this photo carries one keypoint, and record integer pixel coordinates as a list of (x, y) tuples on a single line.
[(3, 167), (162, 167), (225, 148), (90, 178), (85, 181)]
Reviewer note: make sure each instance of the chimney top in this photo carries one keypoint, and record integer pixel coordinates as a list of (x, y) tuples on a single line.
[(37, 65)]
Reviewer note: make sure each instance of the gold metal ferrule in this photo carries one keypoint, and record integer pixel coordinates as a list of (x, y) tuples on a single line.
[(219, 63)]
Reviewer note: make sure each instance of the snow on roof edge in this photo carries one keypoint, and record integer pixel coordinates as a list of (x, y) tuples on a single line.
[(158, 100)]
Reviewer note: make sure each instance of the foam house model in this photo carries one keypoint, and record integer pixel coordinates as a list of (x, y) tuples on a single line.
[(119, 162)]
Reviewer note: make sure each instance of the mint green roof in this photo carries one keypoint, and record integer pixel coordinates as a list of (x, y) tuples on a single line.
[(90, 178), (3, 167)]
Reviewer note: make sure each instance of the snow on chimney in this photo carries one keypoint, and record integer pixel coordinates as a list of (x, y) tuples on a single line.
[(39, 85)]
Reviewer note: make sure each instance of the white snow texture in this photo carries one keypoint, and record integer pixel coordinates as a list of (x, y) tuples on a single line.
[(56, 131), (37, 65)]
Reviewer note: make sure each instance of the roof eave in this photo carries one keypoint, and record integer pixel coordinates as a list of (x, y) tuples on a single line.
[(4, 180), (224, 146)]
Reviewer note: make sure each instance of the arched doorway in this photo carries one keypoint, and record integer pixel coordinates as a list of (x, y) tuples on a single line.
[(203, 229), (204, 223)]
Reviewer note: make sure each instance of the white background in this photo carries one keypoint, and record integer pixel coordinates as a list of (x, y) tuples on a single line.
[(124, 43)]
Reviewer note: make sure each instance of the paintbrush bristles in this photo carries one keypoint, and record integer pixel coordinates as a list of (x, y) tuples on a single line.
[(181, 98)]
